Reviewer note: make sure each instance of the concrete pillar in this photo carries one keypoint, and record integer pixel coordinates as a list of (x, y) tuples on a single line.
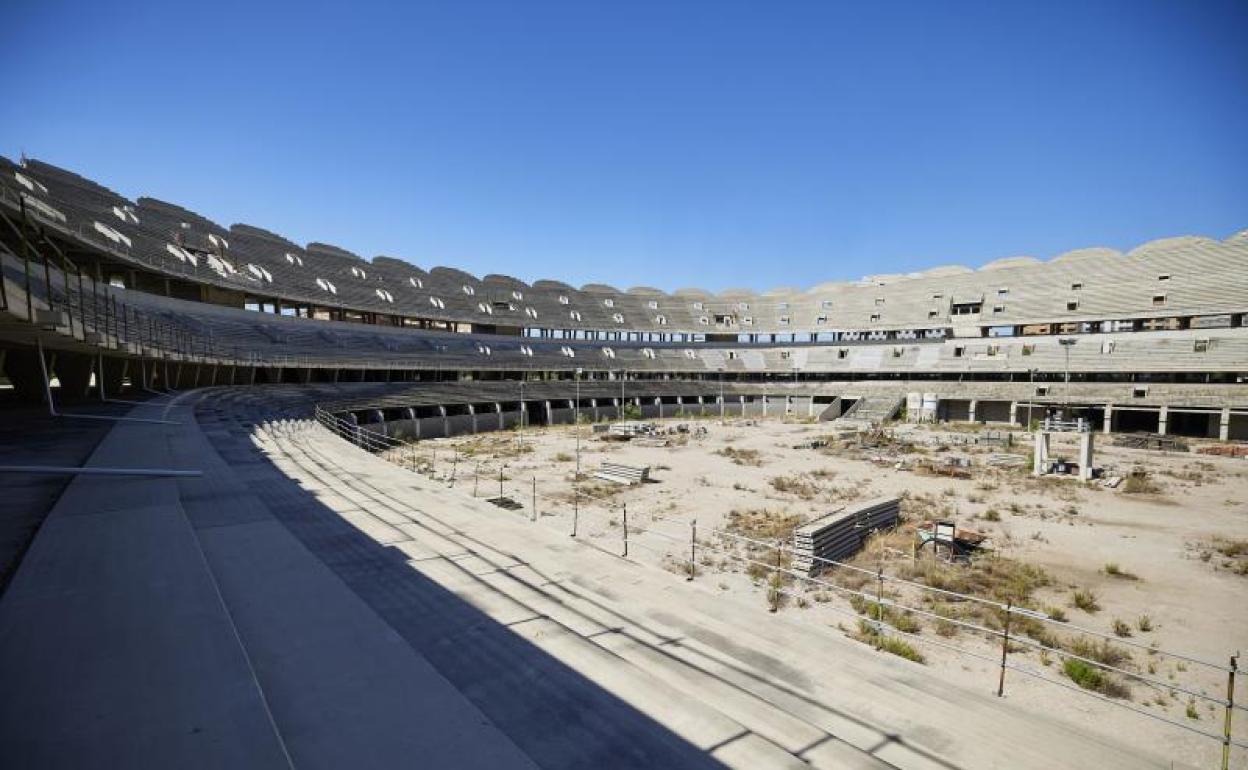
[(472, 412), (1040, 456), (1224, 424), (1013, 413), (1163, 417), (21, 366), (1108, 423), (1085, 455), (971, 410), (446, 421), (498, 410), (114, 373)]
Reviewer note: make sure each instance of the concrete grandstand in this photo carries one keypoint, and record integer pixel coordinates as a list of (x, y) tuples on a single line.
[(238, 612)]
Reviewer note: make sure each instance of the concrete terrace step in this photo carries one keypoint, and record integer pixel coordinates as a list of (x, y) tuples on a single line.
[(115, 647), (341, 691), (514, 595), (875, 700), (557, 716)]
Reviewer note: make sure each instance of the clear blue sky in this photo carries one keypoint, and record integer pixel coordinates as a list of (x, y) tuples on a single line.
[(710, 144)]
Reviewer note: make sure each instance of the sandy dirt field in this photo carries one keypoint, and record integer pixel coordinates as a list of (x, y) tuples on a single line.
[(1161, 562)]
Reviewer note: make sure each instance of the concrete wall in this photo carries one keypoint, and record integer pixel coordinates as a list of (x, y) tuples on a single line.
[(954, 409)]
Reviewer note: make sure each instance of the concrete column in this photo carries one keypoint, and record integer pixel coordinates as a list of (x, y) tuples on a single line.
[(1108, 423), (472, 412), (21, 366), (1013, 413), (1163, 417), (1085, 455), (1224, 424), (498, 409), (114, 373), (971, 410), (446, 421), (1041, 454)]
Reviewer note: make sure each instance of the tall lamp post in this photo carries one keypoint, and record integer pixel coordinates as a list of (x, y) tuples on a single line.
[(1067, 343), (721, 396), (623, 375), (1031, 397), (577, 417), (520, 435)]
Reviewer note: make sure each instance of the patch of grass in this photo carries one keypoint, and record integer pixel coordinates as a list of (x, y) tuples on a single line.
[(564, 457), (1231, 548), (1145, 624), (794, 485), (1191, 711), (762, 523), (1056, 613), (899, 619), (1113, 570), (775, 592), (750, 457), (1090, 677), (1121, 628), (869, 634), (1100, 650), (992, 515), (1085, 600), (1138, 483)]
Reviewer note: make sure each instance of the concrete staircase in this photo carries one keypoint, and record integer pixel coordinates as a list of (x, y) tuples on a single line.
[(870, 410)]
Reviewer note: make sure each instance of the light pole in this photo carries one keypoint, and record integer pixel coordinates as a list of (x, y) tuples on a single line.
[(721, 396), (623, 374), (577, 418), (1031, 398), (520, 435), (1067, 343)]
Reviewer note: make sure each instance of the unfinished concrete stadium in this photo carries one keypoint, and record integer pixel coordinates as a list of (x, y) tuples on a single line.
[(271, 505)]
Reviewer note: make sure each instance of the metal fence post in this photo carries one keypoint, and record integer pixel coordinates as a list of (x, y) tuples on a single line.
[(1230, 707), (625, 530), (1005, 647), (500, 483), (879, 607), (476, 479), (454, 465), (693, 545), (533, 515), (576, 507)]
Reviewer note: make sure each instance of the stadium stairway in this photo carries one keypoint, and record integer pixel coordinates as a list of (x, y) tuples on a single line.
[(306, 604)]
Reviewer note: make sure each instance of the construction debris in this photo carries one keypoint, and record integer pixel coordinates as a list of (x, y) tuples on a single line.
[(1154, 441), (841, 533), (1225, 450), (623, 474), (1007, 460)]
